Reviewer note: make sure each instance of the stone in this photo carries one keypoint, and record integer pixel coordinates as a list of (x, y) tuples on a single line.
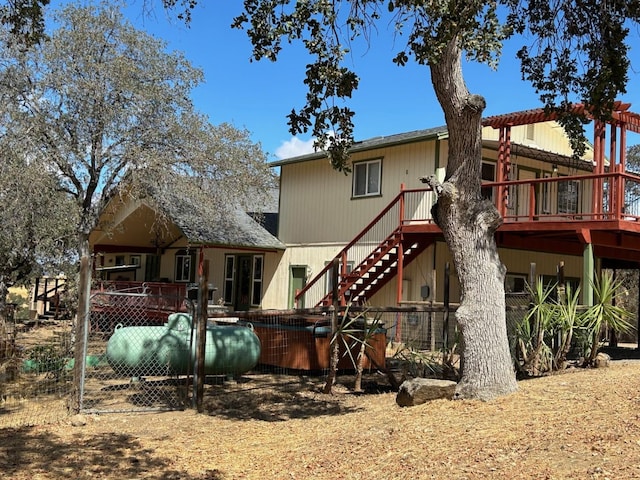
[(78, 420), (421, 390), (602, 360)]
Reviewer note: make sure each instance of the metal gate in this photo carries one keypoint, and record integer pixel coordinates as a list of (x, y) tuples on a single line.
[(137, 352)]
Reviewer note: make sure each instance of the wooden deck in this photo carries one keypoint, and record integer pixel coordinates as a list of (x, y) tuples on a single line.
[(556, 215), (560, 215)]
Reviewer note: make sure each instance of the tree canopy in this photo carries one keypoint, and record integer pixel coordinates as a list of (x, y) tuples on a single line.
[(572, 51), (97, 103), (37, 222)]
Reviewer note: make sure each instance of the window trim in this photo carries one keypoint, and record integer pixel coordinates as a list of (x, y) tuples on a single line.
[(181, 254), (255, 281), (367, 164), (228, 293)]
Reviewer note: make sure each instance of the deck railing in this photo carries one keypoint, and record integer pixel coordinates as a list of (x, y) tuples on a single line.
[(160, 296), (607, 196), (579, 198)]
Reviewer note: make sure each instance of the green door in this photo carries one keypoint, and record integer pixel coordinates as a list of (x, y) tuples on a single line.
[(297, 281)]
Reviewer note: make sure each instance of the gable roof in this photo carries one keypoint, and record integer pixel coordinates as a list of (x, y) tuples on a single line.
[(375, 142), (442, 132), (202, 221)]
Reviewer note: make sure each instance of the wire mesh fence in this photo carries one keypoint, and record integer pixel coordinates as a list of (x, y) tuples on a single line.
[(136, 353), (140, 353), (35, 371)]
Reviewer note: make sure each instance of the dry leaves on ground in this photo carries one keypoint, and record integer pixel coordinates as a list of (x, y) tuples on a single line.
[(579, 425)]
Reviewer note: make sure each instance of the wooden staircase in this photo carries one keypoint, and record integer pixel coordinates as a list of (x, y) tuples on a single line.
[(48, 299), (379, 267), (375, 256)]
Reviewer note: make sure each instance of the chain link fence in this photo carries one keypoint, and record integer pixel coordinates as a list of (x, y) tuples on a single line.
[(137, 353), (140, 353), (36, 364)]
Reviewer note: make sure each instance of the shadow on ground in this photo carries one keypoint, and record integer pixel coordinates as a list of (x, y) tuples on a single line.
[(98, 456), (277, 401)]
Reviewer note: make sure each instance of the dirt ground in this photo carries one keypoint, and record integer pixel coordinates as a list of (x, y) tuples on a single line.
[(583, 424)]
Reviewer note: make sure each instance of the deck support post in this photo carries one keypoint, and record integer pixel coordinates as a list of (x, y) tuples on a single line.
[(588, 267)]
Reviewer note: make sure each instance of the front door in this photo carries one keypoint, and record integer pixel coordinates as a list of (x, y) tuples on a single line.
[(297, 283), (243, 282)]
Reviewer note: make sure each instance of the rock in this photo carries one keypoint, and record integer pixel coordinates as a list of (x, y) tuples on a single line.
[(602, 360), (421, 390), (78, 420)]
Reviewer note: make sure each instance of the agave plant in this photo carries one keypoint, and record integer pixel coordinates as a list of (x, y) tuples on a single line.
[(604, 313)]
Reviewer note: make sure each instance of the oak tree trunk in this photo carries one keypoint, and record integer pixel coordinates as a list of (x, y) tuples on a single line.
[(469, 223)]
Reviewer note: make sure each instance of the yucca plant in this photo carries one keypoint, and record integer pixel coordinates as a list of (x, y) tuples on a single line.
[(567, 318), (351, 333), (604, 313), (535, 355)]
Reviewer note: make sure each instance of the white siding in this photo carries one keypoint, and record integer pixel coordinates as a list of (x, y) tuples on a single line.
[(316, 204)]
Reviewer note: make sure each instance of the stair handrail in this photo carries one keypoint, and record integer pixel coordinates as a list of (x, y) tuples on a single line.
[(342, 254)]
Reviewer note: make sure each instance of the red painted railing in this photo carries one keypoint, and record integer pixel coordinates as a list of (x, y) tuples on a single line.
[(580, 198)]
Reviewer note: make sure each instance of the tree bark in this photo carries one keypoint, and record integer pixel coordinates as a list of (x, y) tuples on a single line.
[(469, 223)]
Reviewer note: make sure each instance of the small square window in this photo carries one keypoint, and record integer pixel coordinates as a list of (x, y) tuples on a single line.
[(367, 178)]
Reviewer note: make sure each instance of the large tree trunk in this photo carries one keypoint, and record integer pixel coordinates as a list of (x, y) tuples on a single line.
[(469, 223)]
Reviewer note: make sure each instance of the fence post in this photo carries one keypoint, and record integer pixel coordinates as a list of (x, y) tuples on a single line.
[(445, 317), (202, 312), (335, 309)]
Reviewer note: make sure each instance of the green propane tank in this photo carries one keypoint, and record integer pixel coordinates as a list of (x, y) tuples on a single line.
[(164, 350)]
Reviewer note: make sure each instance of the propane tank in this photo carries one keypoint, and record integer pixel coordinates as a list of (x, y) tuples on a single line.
[(168, 349)]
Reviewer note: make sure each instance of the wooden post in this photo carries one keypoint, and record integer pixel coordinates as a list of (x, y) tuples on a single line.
[(202, 313), (335, 311), (532, 274), (445, 318), (431, 322)]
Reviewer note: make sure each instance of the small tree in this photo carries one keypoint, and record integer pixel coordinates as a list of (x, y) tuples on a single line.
[(567, 318), (99, 101), (533, 353)]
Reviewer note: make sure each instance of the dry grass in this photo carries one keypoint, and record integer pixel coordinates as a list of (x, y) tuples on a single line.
[(579, 425)]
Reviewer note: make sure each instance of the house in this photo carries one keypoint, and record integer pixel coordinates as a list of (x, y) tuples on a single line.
[(159, 240), (376, 221)]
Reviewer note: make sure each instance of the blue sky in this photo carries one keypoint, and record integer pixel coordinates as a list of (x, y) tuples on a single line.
[(257, 96)]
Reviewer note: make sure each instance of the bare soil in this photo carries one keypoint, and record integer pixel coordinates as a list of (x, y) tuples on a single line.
[(582, 424)]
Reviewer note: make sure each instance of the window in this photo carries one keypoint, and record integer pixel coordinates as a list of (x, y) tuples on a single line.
[(529, 135), (229, 269), (488, 174), (256, 287), (568, 193), (184, 267), (243, 276), (119, 260), (366, 178), (515, 283)]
